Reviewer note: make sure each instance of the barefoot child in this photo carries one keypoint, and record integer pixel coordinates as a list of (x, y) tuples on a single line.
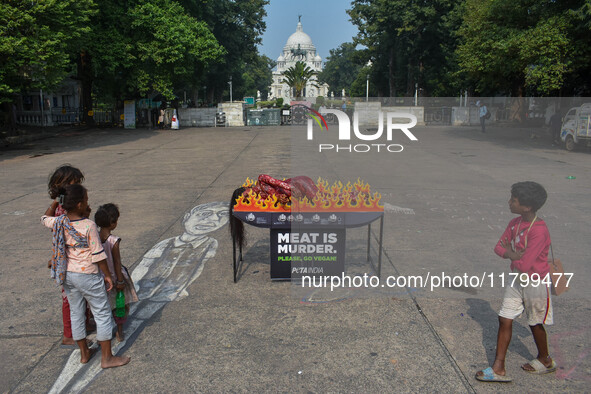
[(106, 218), (62, 176), (525, 242), (78, 258)]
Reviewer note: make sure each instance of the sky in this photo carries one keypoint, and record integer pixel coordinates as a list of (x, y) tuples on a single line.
[(325, 21)]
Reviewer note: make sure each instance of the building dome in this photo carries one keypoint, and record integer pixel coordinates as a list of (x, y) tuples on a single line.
[(298, 48), (299, 38)]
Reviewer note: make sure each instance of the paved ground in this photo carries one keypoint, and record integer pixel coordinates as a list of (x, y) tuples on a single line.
[(258, 335)]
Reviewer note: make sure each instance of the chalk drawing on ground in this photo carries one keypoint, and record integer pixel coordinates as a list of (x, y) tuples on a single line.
[(163, 275)]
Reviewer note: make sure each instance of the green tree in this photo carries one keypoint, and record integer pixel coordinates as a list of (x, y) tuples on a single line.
[(408, 42), (342, 68), (297, 77), (257, 76), (36, 41), (150, 46), (238, 26), (521, 47)]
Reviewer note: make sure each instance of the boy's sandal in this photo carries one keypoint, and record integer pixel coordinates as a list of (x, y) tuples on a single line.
[(488, 375), (539, 368)]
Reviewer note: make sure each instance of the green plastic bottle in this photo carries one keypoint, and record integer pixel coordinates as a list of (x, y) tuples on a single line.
[(120, 304)]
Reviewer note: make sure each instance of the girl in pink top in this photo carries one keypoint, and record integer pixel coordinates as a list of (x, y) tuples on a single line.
[(78, 256), (62, 176), (106, 218)]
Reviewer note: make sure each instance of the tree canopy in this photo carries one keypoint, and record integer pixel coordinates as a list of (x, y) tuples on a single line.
[(342, 68), (514, 47), (257, 76), (36, 41), (133, 48), (150, 46), (408, 42), (517, 46), (139, 48)]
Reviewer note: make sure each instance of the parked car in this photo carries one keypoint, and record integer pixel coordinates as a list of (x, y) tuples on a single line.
[(576, 127)]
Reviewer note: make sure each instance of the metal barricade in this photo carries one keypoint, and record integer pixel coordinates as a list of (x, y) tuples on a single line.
[(220, 119)]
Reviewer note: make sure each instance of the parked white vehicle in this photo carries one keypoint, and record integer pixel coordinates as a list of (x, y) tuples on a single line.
[(576, 127)]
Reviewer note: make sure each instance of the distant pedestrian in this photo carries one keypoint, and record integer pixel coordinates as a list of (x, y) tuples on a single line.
[(162, 115), (154, 117), (555, 126), (77, 262), (482, 114), (106, 217), (530, 291)]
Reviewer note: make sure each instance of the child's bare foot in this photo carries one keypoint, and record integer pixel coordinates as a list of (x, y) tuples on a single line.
[(68, 341), (115, 361), (86, 354)]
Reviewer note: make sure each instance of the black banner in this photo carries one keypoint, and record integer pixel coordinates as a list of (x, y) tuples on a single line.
[(309, 251)]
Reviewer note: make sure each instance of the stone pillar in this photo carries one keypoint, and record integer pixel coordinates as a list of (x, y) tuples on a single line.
[(234, 113)]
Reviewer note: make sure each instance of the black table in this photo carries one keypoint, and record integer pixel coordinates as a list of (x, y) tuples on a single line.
[(321, 221)]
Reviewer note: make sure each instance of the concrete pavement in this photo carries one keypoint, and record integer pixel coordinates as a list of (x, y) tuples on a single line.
[(258, 335)]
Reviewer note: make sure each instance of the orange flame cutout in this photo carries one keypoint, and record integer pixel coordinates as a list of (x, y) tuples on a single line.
[(337, 197)]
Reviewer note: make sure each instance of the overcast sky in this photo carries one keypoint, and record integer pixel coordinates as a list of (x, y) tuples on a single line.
[(325, 21)]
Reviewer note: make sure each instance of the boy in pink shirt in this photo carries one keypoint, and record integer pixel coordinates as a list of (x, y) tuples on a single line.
[(525, 242)]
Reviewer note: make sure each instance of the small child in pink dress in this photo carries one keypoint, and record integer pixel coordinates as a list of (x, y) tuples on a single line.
[(106, 218)]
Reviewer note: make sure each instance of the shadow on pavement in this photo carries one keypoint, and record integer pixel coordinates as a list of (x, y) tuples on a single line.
[(481, 312), (60, 140)]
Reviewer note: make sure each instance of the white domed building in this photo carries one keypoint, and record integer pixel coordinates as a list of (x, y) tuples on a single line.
[(299, 47)]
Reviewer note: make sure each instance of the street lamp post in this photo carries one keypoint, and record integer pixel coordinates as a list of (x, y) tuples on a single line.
[(230, 83), (368, 65)]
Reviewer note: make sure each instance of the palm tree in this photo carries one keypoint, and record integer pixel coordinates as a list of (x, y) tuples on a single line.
[(297, 77)]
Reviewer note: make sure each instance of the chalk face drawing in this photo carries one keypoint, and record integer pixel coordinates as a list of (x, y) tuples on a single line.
[(173, 264), (163, 275)]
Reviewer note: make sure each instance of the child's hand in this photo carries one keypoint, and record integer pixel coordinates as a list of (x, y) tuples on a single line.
[(108, 282), (505, 243), (120, 286), (49, 264), (516, 254), (509, 252)]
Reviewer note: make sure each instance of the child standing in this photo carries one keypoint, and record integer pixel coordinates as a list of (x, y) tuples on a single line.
[(62, 176), (106, 218), (78, 258), (525, 242)]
